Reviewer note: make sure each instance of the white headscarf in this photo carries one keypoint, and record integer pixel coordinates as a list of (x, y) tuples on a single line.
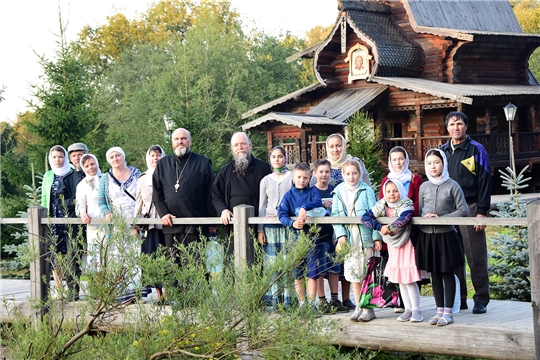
[(337, 163), (150, 169), (64, 169), (404, 175), (444, 175), (89, 178), (117, 149), (400, 188)]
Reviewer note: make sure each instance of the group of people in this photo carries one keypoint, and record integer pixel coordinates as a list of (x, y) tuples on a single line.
[(183, 185)]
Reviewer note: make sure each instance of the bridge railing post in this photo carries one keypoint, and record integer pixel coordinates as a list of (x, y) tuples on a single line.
[(533, 219), (39, 267), (243, 244)]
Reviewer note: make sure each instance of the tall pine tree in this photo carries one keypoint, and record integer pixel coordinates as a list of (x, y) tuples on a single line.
[(63, 102)]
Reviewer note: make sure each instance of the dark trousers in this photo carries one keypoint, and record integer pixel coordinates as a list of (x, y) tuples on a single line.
[(173, 241), (228, 236), (475, 246)]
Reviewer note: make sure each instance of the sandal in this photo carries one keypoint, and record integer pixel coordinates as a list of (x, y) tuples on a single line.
[(435, 319), (446, 319)]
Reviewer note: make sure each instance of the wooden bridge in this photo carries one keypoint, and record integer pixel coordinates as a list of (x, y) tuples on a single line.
[(509, 330)]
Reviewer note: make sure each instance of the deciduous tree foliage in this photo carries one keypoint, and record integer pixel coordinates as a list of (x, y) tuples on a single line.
[(204, 81), (528, 15)]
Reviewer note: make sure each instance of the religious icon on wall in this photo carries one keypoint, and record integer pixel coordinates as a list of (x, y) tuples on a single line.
[(358, 67), (358, 59)]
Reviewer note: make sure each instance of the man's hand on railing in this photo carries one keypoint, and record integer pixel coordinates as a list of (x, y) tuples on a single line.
[(167, 219), (479, 228), (226, 216)]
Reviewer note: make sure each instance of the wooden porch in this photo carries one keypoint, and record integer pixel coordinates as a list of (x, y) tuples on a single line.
[(504, 332), (509, 330)]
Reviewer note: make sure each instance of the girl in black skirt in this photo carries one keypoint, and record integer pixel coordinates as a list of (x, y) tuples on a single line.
[(438, 248)]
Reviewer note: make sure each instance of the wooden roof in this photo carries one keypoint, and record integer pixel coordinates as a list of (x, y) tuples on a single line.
[(298, 120), (466, 15), (333, 110), (344, 103), (281, 100), (460, 92), (394, 53)]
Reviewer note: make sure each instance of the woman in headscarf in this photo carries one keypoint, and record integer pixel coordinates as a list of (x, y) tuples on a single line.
[(118, 186), (87, 206), (53, 200), (116, 195), (398, 165), (152, 235), (337, 155)]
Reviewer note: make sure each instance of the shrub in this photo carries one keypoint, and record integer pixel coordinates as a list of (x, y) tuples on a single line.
[(221, 316), (510, 254)]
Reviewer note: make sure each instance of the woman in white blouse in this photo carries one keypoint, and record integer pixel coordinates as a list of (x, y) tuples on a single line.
[(153, 237), (87, 207)]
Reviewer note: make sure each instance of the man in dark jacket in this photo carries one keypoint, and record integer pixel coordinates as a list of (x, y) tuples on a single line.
[(78, 232), (238, 182), (468, 165), (182, 184)]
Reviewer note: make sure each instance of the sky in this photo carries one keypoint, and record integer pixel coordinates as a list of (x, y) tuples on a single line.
[(30, 27)]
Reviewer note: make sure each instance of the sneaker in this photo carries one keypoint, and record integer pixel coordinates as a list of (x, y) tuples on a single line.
[(356, 315), (406, 316), (399, 310), (435, 319), (326, 308), (417, 316), (367, 315), (338, 306), (348, 303)]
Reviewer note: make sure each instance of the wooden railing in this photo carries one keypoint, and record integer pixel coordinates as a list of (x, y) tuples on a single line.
[(243, 217)]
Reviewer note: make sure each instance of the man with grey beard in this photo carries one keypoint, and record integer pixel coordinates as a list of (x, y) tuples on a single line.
[(238, 182), (182, 184)]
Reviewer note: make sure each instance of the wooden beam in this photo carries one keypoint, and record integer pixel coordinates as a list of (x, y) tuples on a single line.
[(303, 146), (418, 113), (40, 266), (244, 251), (533, 217)]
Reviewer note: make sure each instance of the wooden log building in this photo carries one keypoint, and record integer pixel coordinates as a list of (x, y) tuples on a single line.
[(409, 63)]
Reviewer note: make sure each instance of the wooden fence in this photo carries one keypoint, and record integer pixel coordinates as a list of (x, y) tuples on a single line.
[(243, 217)]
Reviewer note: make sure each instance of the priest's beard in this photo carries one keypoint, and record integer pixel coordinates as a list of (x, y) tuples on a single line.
[(180, 151), (241, 163)]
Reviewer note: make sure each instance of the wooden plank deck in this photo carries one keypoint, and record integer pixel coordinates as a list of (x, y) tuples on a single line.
[(504, 332)]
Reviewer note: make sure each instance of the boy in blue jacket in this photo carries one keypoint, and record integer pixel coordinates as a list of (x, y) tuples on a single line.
[(297, 202)]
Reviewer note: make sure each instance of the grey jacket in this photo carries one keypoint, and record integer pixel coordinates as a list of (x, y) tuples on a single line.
[(445, 200)]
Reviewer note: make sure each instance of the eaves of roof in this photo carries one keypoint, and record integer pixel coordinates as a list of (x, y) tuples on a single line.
[(344, 103), (464, 93), (281, 100), (298, 120)]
